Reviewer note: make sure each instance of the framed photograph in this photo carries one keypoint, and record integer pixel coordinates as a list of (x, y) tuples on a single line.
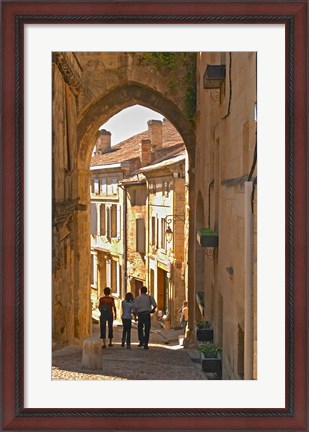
[(38, 35)]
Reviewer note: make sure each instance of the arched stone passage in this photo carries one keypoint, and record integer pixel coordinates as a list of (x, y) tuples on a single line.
[(120, 98), (88, 89)]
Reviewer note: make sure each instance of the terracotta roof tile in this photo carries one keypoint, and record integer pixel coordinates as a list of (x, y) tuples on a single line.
[(130, 149)]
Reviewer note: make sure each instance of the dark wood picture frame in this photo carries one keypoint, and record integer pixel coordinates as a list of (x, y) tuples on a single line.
[(293, 14)]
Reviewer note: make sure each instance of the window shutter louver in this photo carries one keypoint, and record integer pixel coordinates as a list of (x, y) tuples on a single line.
[(103, 186), (96, 186), (140, 235), (118, 222), (93, 219)]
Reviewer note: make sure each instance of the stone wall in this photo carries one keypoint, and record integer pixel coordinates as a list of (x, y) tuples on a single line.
[(71, 319), (226, 138), (88, 89), (111, 82)]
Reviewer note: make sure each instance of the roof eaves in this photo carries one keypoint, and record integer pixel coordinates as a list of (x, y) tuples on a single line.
[(163, 164)]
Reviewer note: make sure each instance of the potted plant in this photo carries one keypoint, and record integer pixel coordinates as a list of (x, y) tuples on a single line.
[(207, 237), (211, 358), (204, 331)]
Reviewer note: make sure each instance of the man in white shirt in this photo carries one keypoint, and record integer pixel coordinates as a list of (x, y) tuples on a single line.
[(144, 304)]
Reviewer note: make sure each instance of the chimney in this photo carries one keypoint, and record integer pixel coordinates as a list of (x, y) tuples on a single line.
[(145, 152), (155, 133), (103, 143)]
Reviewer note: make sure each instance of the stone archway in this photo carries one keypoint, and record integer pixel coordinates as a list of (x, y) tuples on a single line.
[(120, 98), (88, 89)]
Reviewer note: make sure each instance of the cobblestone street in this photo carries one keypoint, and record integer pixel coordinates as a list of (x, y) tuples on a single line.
[(165, 360)]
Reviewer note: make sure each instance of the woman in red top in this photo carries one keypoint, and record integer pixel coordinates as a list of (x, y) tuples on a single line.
[(108, 312)]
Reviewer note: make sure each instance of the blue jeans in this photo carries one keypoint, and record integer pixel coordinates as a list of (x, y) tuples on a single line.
[(126, 332), (143, 327)]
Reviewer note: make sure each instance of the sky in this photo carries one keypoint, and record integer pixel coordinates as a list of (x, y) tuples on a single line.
[(129, 122)]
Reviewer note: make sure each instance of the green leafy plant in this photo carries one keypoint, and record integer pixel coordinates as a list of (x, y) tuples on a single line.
[(206, 237), (174, 62), (203, 324), (206, 231), (210, 349)]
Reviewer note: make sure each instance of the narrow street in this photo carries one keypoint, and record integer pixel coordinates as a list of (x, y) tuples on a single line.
[(165, 360)]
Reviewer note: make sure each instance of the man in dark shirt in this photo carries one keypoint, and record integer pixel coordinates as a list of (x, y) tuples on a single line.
[(144, 304)]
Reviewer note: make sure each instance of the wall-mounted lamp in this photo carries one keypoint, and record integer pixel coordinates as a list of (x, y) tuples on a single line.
[(230, 270), (168, 219), (169, 234), (214, 76)]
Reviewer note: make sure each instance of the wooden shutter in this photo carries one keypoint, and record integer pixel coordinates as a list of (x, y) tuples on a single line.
[(118, 222), (153, 230), (103, 186), (118, 279), (96, 186), (108, 222), (109, 187), (108, 273), (114, 276), (140, 235), (114, 186), (114, 220), (157, 232), (102, 220), (93, 219)]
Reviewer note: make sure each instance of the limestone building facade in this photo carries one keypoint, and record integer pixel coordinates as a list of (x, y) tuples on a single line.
[(226, 202), (167, 239), (137, 192), (220, 180)]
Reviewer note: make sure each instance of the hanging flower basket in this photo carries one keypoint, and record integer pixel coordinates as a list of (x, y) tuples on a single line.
[(207, 238)]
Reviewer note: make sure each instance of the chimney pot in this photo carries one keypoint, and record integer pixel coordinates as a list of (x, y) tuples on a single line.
[(155, 132), (104, 141), (145, 152)]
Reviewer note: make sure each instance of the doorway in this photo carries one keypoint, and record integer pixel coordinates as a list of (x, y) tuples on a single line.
[(137, 285), (163, 291)]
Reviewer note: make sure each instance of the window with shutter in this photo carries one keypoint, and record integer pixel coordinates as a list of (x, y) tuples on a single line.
[(108, 223), (153, 230), (93, 271), (114, 276), (96, 186), (103, 186), (118, 279), (109, 187), (167, 189), (113, 220), (108, 273), (162, 236), (93, 219), (118, 222), (140, 236), (114, 186), (157, 232), (102, 220)]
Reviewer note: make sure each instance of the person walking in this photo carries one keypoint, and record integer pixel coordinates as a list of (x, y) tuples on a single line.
[(127, 310), (108, 312), (184, 315), (144, 305)]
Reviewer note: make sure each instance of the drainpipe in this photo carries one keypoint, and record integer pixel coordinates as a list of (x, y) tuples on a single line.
[(125, 242), (248, 342)]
